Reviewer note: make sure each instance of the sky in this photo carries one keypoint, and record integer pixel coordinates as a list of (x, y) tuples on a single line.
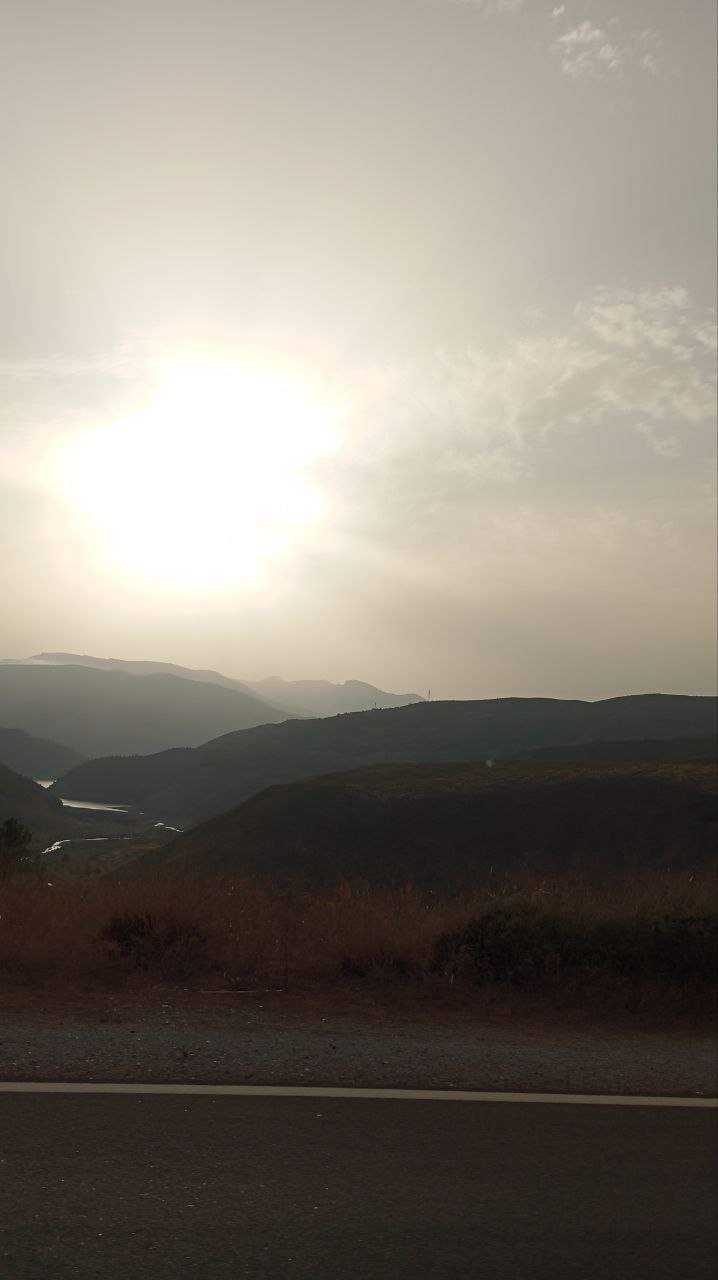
[(362, 339)]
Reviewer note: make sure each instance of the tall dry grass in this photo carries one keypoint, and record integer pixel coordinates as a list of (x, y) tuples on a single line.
[(167, 928)]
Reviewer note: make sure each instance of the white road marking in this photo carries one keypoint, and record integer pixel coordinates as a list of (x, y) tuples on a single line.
[(319, 1091)]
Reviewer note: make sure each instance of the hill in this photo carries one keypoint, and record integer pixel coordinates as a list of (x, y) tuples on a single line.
[(322, 698), (638, 750), (101, 711), (35, 757), (455, 824), (185, 788), (33, 806)]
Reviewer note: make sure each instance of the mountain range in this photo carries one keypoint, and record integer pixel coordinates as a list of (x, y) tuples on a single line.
[(322, 698), (186, 786), (97, 706)]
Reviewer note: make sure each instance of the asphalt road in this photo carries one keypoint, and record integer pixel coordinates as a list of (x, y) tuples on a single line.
[(171, 1187)]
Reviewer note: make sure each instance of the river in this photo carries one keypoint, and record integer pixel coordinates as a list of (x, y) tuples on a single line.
[(82, 804)]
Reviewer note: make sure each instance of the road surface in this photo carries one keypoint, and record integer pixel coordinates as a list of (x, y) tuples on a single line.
[(166, 1187)]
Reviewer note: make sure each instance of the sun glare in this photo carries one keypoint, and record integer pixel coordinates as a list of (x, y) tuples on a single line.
[(206, 485)]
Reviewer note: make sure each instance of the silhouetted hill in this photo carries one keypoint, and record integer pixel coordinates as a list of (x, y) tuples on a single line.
[(35, 757), (192, 786), (455, 824), (98, 711), (33, 806), (322, 698)]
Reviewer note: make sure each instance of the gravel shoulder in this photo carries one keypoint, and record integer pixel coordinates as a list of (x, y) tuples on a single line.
[(299, 1038)]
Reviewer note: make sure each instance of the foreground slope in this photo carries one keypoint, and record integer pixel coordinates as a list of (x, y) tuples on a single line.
[(186, 787), (35, 757), (458, 823), (97, 711)]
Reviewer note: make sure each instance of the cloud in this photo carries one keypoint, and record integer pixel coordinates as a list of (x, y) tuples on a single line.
[(665, 446), (588, 51), (624, 356), (584, 49)]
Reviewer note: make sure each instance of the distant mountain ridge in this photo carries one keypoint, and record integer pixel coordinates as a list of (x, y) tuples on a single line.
[(186, 787), (144, 668), (322, 698), (98, 710), (296, 698)]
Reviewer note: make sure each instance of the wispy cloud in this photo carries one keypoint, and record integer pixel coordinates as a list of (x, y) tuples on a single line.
[(586, 50), (637, 359)]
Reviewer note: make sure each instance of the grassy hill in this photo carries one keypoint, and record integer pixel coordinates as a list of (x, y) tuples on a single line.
[(35, 757), (455, 824), (33, 806), (98, 711), (186, 787), (639, 750)]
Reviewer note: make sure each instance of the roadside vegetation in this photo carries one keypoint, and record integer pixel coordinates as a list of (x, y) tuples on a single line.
[(639, 944)]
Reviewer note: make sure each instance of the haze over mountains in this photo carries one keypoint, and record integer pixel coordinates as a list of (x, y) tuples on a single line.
[(97, 706), (187, 786), (96, 711), (322, 698)]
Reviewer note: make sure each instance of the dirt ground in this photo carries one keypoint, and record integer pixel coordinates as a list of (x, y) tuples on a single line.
[(349, 1034)]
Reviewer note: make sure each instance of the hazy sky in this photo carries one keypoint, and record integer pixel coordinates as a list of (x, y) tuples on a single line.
[(362, 338)]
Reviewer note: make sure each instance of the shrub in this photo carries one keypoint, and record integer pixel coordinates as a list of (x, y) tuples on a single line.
[(148, 942), (523, 945), (507, 944)]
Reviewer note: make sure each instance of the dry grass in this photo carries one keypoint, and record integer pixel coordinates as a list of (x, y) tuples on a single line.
[(169, 929)]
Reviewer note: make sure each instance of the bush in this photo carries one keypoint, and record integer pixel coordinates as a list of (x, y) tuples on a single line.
[(147, 942), (524, 946), (507, 944)]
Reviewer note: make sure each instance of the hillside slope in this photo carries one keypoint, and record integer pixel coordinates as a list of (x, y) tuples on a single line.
[(33, 806), (635, 749), (457, 823), (103, 711), (187, 788), (35, 757)]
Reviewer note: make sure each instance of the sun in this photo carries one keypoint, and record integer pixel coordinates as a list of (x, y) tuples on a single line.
[(206, 485)]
